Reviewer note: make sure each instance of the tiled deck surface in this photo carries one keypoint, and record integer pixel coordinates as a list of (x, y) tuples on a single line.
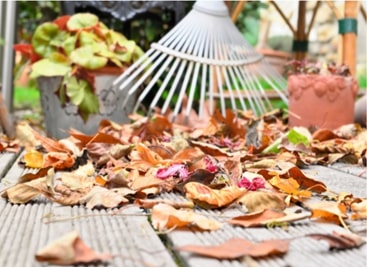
[(129, 236)]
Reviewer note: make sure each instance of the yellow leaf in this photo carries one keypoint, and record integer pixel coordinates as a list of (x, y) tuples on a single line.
[(33, 159)]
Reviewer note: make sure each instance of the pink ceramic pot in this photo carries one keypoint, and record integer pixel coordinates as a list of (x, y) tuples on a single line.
[(321, 101)]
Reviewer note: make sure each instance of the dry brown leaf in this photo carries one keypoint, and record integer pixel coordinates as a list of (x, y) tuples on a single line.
[(340, 240), (257, 218), (24, 192), (289, 170), (187, 155), (102, 197), (32, 176), (206, 197), (49, 144), (140, 182), (211, 149), (150, 203), (238, 247), (259, 200), (165, 217), (25, 135), (80, 179), (69, 250), (142, 158), (64, 196), (59, 160)]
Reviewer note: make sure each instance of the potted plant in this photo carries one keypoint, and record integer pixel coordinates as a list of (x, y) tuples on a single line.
[(74, 60), (320, 96)]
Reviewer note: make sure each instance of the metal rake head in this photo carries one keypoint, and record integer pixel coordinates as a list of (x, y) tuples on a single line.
[(203, 60)]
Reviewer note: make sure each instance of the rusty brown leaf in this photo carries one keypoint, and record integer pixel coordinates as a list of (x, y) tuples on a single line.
[(238, 247), (340, 240), (257, 218)]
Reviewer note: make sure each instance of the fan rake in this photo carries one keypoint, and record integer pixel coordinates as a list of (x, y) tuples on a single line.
[(204, 61)]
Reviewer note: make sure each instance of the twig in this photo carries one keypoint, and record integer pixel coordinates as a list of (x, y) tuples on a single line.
[(91, 215)]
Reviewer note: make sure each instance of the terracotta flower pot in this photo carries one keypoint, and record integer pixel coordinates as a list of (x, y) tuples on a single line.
[(321, 101)]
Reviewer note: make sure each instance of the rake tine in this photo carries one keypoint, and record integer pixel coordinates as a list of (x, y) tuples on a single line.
[(164, 84), (205, 59)]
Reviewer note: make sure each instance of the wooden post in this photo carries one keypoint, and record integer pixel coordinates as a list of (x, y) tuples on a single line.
[(301, 36), (6, 121), (351, 9), (238, 9)]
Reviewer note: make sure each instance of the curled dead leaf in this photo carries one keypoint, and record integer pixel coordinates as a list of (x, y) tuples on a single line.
[(100, 196), (340, 240), (68, 250)]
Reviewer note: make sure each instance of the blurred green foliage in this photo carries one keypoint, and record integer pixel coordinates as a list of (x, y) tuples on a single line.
[(248, 21)]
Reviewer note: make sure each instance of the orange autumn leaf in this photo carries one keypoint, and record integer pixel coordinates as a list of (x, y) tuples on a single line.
[(33, 159), (289, 186), (257, 218), (328, 211), (153, 127), (206, 197), (100, 180), (68, 250), (139, 182), (289, 170), (359, 210), (58, 160), (49, 144), (165, 216), (190, 154), (97, 138), (32, 176), (238, 247), (142, 158)]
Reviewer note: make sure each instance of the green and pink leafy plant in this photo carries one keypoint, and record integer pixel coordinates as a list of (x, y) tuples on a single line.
[(74, 47)]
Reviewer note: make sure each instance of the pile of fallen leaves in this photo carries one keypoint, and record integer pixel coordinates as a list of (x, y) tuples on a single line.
[(252, 162)]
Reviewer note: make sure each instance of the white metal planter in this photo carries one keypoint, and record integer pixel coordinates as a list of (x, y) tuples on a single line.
[(58, 119)]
